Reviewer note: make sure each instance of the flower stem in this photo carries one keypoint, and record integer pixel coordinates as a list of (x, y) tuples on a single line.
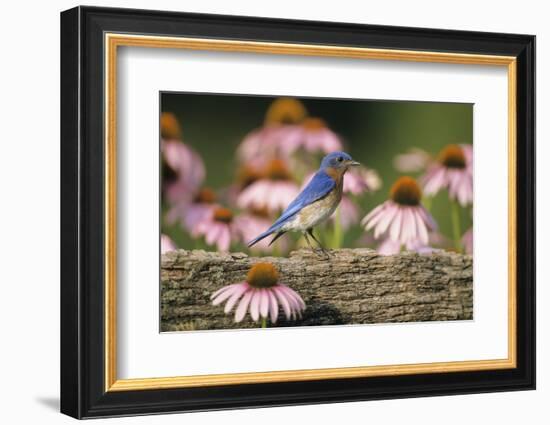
[(264, 322), (427, 202), (337, 231), (276, 251), (455, 218)]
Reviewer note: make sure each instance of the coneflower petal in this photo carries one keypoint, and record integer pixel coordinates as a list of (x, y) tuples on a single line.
[(434, 180), (223, 289), (264, 303), (395, 228), (283, 301), (421, 227), (224, 295), (372, 214), (255, 305), (290, 299), (389, 247), (213, 233), (389, 215), (300, 304), (409, 230), (375, 219), (237, 294), (416, 234), (224, 238), (294, 304), (465, 190), (243, 306), (273, 306), (428, 219)]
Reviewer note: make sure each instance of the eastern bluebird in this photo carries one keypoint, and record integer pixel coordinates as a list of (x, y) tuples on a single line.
[(316, 203)]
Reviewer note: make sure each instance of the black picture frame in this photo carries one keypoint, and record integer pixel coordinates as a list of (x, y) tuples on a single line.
[(83, 392)]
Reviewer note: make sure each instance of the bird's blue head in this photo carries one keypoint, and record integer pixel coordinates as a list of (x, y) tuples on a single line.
[(340, 161)]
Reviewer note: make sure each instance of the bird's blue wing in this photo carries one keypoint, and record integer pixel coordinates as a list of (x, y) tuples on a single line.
[(320, 186)]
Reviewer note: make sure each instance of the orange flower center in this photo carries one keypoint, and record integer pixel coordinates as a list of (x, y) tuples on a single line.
[(277, 170), (452, 157), (223, 215), (405, 191), (169, 126), (262, 275), (260, 212), (285, 110), (247, 175), (313, 124), (205, 196)]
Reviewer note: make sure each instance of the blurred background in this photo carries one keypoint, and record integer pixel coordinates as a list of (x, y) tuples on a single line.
[(373, 132)]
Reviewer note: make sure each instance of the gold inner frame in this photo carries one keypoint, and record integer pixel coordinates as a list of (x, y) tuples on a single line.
[(113, 41)]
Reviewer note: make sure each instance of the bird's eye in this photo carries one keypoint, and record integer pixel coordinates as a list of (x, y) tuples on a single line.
[(340, 159)]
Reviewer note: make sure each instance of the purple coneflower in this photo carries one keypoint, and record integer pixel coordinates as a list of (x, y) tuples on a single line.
[(312, 135), (413, 160), (273, 192), (183, 171), (261, 144), (166, 244), (265, 142), (169, 127), (360, 180), (453, 171), (244, 177), (253, 222), (357, 181), (190, 213), (261, 294), (285, 110), (218, 228), (182, 168), (402, 218), (388, 246), (348, 213)]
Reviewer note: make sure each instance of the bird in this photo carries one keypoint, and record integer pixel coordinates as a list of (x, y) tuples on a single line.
[(315, 203)]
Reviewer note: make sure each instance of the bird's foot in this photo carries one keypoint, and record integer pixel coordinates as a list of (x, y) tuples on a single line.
[(323, 253)]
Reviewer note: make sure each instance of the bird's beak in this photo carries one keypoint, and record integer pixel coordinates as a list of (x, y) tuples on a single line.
[(354, 163)]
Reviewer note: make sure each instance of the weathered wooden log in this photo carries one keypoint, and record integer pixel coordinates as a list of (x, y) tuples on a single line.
[(354, 286)]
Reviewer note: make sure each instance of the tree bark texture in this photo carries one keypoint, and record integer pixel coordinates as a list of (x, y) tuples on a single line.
[(353, 286)]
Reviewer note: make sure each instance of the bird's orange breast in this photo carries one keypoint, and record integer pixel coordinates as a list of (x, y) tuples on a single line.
[(337, 174)]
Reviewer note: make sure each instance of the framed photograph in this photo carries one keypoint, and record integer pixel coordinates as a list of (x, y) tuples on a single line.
[(261, 212)]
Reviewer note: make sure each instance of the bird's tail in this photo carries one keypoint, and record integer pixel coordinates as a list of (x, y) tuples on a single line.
[(258, 238), (275, 228)]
